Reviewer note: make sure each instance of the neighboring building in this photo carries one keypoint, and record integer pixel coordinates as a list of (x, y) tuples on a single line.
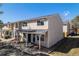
[(66, 28), (73, 28), (46, 30)]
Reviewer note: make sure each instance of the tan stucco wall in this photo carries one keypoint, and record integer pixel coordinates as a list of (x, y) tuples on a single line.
[(55, 31)]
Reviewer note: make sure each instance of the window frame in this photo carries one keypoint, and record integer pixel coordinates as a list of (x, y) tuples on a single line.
[(39, 23)]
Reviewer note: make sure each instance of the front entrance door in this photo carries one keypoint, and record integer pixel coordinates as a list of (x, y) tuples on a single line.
[(33, 38), (29, 38)]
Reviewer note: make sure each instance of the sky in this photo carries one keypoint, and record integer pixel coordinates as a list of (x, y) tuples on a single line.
[(23, 11)]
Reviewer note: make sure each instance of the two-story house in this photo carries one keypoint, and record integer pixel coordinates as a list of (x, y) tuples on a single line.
[(46, 30)]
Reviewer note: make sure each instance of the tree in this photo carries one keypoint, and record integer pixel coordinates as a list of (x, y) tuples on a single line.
[(1, 24), (1, 12), (75, 22)]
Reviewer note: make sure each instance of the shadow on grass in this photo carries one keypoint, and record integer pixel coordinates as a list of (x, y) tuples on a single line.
[(65, 45)]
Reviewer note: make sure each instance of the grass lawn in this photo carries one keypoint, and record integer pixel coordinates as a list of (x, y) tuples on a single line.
[(67, 47)]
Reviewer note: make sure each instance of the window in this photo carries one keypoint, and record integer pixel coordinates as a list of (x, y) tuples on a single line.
[(40, 22), (42, 37), (24, 24), (33, 37)]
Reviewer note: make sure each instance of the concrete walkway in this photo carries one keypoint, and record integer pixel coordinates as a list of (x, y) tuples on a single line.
[(30, 50), (73, 37), (6, 40), (22, 46)]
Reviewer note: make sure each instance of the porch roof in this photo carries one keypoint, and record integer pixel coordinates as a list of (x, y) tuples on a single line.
[(33, 31)]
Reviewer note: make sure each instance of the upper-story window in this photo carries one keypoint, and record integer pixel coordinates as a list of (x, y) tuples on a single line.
[(24, 24), (40, 22)]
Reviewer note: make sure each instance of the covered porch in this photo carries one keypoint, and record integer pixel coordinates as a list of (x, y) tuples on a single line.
[(37, 37)]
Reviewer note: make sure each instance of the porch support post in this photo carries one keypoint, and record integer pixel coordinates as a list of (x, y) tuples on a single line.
[(14, 30), (14, 33), (32, 38), (44, 38), (36, 38), (26, 39), (39, 42), (17, 35), (21, 37)]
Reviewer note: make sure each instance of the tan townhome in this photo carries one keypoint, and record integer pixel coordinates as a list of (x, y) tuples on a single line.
[(45, 30)]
